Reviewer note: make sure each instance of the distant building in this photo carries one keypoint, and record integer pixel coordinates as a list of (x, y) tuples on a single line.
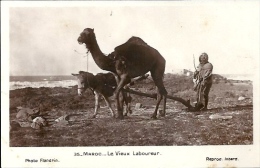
[(182, 72)]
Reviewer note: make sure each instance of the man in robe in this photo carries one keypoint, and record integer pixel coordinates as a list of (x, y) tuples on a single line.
[(203, 82)]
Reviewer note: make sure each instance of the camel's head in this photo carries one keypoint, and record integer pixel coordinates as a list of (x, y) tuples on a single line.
[(84, 81), (86, 36)]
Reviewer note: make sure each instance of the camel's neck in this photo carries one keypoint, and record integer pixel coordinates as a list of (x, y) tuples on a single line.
[(95, 50), (102, 61)]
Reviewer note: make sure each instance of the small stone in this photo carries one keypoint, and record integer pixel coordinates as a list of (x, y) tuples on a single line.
[(35, 125), (216, 116), (62, 118), (241, 98), (62, 123), (22, 115), (24, 124), (40, 121), (32, 111), (138, 105)]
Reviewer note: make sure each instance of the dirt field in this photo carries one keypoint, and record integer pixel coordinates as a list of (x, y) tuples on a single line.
[(231, 99)]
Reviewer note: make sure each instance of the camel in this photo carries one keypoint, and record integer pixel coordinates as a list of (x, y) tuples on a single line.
[(129, 60), (103, 84)]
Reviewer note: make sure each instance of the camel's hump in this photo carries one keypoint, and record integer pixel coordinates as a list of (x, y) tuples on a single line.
[(132, 41), (136, 40)]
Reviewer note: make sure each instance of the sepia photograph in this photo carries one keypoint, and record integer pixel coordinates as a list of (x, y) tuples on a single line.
[(130, 84)]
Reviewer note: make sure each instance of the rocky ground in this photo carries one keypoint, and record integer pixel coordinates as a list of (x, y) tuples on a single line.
[(229, 120)]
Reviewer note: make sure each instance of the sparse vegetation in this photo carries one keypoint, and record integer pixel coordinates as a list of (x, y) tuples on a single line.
[(179, 127)]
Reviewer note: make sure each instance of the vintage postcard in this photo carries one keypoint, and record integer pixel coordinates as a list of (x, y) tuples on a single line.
[(130, 84)]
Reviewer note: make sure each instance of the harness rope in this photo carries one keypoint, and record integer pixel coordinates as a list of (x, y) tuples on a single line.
[(87, 59), (87, 69), (87, 76)]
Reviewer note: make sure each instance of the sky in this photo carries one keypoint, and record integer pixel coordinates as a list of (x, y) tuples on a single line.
[(43, 38)]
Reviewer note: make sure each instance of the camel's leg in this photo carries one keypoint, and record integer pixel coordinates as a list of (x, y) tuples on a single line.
[(123, 81), (127, 101), (109, 105), (121, 102), (129, 97), (206, 103), (164, 97), (97, 101), (161, 92), (128, 105), (159, 98), (124, 102), (119, 108)]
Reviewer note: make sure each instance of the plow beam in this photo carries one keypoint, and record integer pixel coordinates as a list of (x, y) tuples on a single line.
[(184, 102)]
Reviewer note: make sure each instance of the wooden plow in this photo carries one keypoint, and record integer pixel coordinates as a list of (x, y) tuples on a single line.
[(127, 89), (184, 102)]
